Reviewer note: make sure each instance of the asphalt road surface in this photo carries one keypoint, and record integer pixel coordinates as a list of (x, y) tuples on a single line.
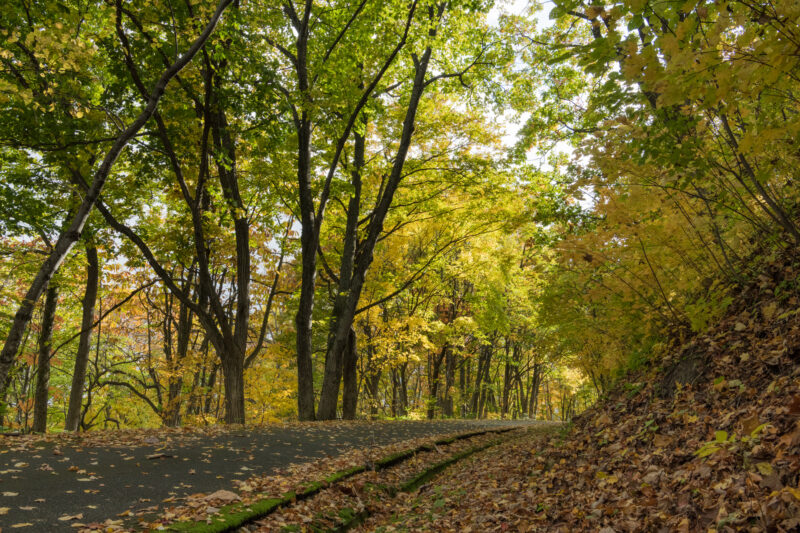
[(43, 481)]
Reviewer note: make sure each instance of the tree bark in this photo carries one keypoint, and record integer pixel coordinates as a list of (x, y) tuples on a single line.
[(449, 381), (433, 379), (172, 408), (41, 396), (308, 250), (533, 395), (399, 390), (209, 386), (233, 381), (350, 390), (507, 383), (373, 380), (84, 342), (235, 349)]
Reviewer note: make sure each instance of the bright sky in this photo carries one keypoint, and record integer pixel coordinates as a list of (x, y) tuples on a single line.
[(512, 124)]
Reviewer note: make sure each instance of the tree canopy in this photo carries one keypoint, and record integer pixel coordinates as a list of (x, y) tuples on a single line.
[(249, 210)]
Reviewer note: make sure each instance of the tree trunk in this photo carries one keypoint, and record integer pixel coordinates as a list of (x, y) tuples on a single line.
[(372, 387), (236, 351), (393, 375), (433, 380), (349, 368), (172, 408), (84, 342), (403, 396), (507, 383), (338, 347), (399, 391), (305, 371), (41, 395), (533, 395), (463, 383), (506, 390), (372, 373), (449, 382), (209, 389), (233, 381), (482, 372)]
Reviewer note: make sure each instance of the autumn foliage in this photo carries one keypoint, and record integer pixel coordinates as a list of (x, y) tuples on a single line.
[(708, 439)]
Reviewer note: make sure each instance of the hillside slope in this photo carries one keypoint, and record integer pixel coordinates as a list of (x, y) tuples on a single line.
[(708, 441)]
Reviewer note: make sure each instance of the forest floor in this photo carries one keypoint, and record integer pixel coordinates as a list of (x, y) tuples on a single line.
[(56, 482)]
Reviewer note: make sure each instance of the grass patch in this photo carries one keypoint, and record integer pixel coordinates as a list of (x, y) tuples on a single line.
[(232, 516), (431, 472)]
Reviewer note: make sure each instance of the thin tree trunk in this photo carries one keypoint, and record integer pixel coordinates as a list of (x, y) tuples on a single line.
[(373, 381), (484, 360), (210, 385), (41, 396), (465, 389), (403, 393), (172, 409), (350, 390), (506, 389), (449, 382), (433, 379), (395, 387), (308, 234), (84, 342), (533, 395)]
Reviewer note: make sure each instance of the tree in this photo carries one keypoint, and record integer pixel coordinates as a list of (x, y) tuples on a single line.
[(42, 394), (82, 355), (72, 233)]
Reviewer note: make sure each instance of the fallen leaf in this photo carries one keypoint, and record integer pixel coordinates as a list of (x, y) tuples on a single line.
[(160, 456), (661, 441), (222, 495), (750, 424), (764, 468)]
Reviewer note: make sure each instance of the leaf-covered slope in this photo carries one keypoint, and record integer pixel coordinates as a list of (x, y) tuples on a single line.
[(710, 440)]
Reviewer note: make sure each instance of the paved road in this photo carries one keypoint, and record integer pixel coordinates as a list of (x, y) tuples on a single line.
[(44, 482)]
